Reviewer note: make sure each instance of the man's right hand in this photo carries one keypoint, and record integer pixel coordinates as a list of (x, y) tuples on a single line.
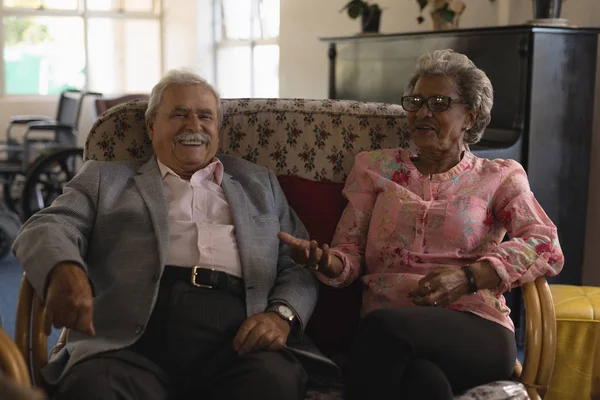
[(69, 301)]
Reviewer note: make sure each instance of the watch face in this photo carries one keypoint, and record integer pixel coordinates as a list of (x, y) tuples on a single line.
[(285, 312)]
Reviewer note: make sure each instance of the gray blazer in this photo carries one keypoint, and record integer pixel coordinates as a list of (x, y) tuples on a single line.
[(112, 219)]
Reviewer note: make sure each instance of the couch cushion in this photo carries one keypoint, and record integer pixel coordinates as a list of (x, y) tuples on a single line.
[(576, 302), (319, 205)]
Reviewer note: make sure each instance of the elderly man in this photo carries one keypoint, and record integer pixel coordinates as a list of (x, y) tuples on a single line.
[(168, 273)]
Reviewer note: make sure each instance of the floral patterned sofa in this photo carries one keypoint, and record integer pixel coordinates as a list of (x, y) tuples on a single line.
[(311, 145)]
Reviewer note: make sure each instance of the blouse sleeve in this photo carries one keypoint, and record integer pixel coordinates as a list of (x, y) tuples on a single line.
[(350, 237), (533, 249)]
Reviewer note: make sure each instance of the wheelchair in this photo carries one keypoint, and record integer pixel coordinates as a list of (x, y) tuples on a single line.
[(35, 168)]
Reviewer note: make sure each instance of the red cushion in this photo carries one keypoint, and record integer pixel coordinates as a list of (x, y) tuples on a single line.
[(319, 206)]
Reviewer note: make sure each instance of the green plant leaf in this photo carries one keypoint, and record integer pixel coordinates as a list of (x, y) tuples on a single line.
[(350, 4), (355, 9), (446, 13), (422, 4)]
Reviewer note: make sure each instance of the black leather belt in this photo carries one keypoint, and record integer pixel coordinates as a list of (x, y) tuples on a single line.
[(205, 278)]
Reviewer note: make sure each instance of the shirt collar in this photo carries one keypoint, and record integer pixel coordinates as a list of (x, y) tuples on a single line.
[(212, 172)]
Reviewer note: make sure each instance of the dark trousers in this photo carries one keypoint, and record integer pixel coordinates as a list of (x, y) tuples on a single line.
[(186, 352), (426, 353)]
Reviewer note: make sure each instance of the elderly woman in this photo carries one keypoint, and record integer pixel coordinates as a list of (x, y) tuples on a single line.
[(424, 233)]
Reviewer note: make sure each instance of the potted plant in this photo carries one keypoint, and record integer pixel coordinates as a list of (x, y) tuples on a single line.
[(445, 14), (370, 14)]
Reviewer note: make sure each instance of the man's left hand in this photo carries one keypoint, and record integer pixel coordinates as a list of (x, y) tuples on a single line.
[(263, 331)]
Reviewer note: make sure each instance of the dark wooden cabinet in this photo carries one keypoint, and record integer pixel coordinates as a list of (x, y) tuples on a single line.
[(544, 80)]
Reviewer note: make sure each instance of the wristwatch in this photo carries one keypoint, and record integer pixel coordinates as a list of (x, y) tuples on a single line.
[(284, 312)]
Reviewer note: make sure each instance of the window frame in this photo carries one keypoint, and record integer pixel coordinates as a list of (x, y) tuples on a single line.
[(157, 13), (228, 43)]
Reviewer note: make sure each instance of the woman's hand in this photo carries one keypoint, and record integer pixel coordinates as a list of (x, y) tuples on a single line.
[(444, 286), (308, 254), (440, 288)]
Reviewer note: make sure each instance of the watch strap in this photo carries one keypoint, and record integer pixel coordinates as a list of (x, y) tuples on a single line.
[(470, 279)]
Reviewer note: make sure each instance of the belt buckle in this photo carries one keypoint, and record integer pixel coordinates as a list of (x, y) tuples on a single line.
[(194, 283)]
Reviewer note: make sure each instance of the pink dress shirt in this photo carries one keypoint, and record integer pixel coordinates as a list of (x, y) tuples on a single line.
[(200, 221), (399, 225)]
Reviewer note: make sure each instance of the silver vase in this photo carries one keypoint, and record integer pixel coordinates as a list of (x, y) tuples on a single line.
[(544, 9)]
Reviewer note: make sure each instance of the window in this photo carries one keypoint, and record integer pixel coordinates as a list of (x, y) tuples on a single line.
[(247, 49), (107, 46)]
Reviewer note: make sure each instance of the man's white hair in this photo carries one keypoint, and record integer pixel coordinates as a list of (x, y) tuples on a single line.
[(178, 77)]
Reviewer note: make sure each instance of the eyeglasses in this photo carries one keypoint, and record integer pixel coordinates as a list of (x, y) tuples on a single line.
[(435, 103)]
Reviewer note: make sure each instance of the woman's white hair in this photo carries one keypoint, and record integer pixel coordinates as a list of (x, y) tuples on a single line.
[(178, 77), (474, 87)]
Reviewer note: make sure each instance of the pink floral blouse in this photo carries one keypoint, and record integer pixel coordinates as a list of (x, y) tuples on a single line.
[(400, 224)]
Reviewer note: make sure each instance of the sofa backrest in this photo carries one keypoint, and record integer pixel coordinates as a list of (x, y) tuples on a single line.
[(312, 139)]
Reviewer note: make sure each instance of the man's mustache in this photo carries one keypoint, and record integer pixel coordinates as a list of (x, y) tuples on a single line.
[(192, 137)]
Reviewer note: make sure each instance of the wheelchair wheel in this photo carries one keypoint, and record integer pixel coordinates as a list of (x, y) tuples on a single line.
[(10, 223), (46, 180), (13, 190)]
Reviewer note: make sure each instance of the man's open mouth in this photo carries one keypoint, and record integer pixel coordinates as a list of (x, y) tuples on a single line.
[(193, 143)]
